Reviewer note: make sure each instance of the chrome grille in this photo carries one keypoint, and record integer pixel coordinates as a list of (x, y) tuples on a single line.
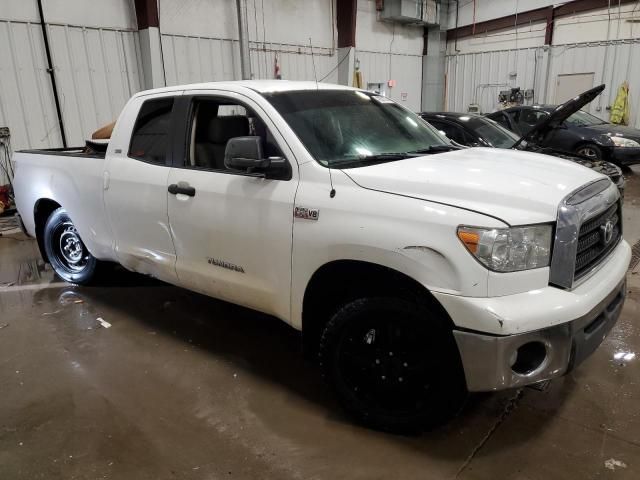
[(578, 246), (593, 246)]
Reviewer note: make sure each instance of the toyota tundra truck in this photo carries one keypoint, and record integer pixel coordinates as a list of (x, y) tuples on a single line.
[(416, 271)]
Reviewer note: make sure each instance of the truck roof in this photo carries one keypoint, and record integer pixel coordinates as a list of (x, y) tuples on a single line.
[(261, 86)]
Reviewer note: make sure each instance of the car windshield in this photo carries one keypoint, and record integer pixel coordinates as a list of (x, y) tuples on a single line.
[(584, 119), (492, 132), (349, 128)]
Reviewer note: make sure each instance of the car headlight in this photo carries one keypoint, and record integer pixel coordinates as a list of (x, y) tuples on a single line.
[(509, 249), (624, 142)]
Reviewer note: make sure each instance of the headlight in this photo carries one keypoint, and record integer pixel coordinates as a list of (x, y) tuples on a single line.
[(624, 142), (509, 249)]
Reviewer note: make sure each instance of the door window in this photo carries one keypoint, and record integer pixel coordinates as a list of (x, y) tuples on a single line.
[(213, 123), (150, 137), (501, 119), (453, 132)]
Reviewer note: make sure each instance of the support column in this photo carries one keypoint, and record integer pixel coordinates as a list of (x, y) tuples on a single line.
[(433, 70), (150, 47), (243, 35), (433, 64), (346, 58), (346, 23)]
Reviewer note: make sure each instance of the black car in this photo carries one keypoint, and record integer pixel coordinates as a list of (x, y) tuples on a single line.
[(579, 132), (473, 130)]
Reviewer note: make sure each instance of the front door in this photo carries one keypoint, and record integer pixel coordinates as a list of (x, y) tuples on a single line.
[(232, 232)]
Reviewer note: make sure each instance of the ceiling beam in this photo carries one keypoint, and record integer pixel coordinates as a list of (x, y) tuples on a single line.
[(544, 14)]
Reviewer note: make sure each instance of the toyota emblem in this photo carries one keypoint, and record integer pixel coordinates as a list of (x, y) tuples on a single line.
[(607, 232)]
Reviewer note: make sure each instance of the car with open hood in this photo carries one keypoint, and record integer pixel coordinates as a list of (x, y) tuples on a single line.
[(567, 129), (473, 130)]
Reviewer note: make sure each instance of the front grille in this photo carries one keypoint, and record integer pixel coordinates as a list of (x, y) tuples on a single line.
[(592, 244)]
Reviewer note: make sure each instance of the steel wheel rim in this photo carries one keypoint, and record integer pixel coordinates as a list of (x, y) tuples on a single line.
[(70, 252), (588, 152)]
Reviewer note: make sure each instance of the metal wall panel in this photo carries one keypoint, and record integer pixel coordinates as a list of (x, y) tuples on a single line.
[(26, 98), (406, 70), (479, 77), (200, 59), (97, 70), (611, 63)]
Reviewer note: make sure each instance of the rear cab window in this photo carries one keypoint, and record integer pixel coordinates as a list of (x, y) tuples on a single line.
[(150, 137)]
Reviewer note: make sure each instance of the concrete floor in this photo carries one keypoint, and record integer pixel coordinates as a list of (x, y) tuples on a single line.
[(183, 386)]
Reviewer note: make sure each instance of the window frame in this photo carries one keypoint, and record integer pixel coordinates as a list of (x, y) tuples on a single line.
[(184, 126), (170, 133)]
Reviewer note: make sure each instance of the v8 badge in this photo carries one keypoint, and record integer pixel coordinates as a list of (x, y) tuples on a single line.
[(306, 213)]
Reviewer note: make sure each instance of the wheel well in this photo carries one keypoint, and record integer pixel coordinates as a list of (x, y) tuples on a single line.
[(341, 281), (41, 212)]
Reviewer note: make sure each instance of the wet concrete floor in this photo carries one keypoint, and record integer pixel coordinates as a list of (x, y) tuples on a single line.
[(177, 385)]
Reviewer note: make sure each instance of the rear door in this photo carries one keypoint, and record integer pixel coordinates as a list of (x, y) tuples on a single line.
[(137, 170), (232, 231)]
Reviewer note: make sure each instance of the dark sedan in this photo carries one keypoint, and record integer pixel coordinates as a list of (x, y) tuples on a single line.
[(473, 130), (580, 133)]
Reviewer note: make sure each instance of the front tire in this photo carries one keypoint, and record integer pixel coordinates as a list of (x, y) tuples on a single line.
[(393, 364), (65, 250), (590, 151)]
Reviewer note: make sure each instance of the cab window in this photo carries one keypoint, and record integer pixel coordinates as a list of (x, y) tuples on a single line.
[(150, 137)]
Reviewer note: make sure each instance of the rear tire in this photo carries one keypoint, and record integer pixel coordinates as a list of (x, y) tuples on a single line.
[(393, 364), (65, 250)]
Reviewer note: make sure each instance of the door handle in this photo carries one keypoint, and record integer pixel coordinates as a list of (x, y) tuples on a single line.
[(184, 189)]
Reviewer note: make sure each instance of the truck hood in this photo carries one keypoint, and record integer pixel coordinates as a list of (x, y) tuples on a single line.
[(516, 187)]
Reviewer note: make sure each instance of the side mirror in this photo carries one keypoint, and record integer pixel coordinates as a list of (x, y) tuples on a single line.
[(245, 154)]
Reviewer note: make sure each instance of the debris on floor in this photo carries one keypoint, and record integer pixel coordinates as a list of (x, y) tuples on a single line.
[(103, 323), (4, 325), (612, 464)]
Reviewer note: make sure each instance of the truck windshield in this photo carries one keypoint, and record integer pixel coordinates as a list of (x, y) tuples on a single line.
[(348, 128)]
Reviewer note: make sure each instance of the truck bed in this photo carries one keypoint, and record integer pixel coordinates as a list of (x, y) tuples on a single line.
[(91, 150)]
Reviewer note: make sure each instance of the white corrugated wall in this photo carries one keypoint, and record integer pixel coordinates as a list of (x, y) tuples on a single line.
[(406, 70), (26, 97), (200, 59), (477, 78), (97, 70), (468, 75)]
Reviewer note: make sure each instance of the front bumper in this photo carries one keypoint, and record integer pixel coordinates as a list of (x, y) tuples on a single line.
[(625, 155), (570, 324), (489, 360)]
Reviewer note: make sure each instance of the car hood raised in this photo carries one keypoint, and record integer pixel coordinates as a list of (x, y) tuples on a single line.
[(517, 187), (559, 115)]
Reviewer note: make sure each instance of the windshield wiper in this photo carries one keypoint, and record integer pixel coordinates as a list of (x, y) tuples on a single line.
[(435, 149), (364, 160)]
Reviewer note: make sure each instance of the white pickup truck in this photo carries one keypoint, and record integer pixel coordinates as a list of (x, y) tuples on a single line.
[(416, 271)]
